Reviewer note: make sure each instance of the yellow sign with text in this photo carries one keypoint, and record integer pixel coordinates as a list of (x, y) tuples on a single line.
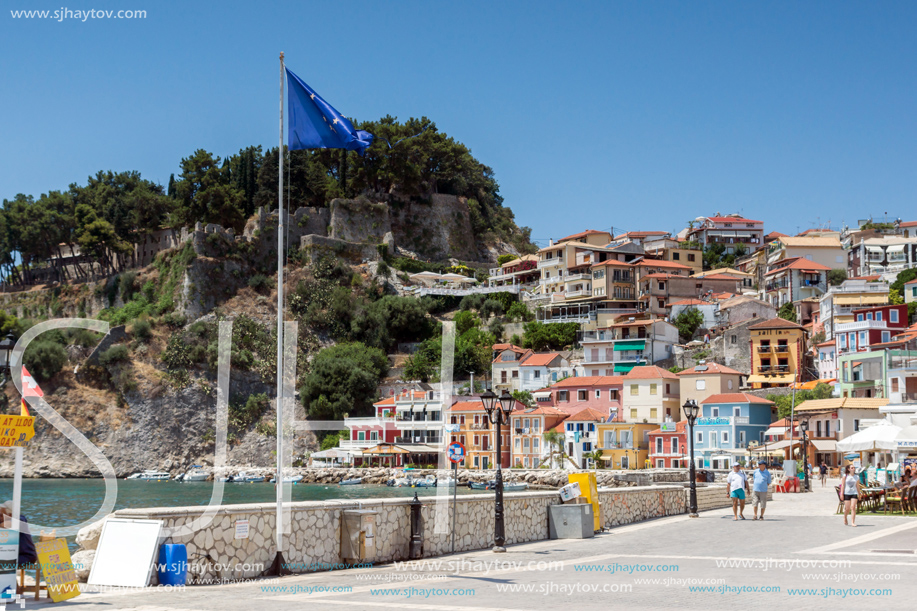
[(16, 430), (57, 569)]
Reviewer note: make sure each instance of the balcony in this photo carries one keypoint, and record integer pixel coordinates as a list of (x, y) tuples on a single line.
[(860, 325), (780, 348), (763, 348), (480, 427), (578, 293), (550, 262), (355, 444), (571, 277), (774, 369), (419, 439)]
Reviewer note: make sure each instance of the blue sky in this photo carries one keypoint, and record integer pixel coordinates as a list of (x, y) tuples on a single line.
[(633, 115)]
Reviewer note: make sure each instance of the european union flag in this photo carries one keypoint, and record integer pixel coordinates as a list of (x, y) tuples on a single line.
[(315, 124)]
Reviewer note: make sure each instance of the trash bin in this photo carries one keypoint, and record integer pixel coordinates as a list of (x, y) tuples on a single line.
[(571, 521), (173, 564)]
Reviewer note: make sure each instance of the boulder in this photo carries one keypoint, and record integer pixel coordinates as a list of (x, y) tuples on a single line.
[(82, 563), (88, 536)]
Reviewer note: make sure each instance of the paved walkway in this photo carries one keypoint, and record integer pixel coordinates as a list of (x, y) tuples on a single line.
[(801, 555)]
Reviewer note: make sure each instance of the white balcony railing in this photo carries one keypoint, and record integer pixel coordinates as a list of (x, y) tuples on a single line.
[(571, 277), (860, 325), (549, 262)]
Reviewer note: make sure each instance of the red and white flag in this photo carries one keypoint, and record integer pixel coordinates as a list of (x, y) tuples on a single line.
[(30, 388)]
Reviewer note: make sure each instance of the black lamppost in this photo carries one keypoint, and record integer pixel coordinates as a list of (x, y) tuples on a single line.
[(690, 408), (6, 347), (498, 415), (804, 427)]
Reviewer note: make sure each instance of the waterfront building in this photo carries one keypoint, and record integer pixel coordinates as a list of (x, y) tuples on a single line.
[(600, 393), (478, 435), (669, 249), (367, 432), (706, 379), (877, 373), (830, 421), (581, 437), (729, 422), (651, 395), (669, 445), (529, 450), (625, 445), (777, 349)]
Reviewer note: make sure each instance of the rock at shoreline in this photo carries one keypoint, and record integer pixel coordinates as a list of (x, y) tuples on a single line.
[(82, 563), (88, 536)]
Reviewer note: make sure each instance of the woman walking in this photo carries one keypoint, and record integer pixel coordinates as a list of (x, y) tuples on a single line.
[(850, 488)]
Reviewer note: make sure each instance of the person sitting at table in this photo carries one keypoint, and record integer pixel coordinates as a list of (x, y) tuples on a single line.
[(27, 553), (904, 482)]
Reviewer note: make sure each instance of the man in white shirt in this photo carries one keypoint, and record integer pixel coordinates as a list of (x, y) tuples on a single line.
[(736, 483)]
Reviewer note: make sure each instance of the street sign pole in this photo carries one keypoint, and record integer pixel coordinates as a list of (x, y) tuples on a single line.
[(454, 506), (456, 454)]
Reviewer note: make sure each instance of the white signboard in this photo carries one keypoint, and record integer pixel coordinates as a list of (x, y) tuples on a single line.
[(9, 555), (126, 553), (241, 529)]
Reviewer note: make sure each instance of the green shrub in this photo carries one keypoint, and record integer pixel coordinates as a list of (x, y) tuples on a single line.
[(115, 354), (141, 329), (126, 285), (260, 282), (44, 359)]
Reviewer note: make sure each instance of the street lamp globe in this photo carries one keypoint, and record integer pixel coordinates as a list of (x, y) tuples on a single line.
[(6, 346), (507, 403), (691, 410), (489, 400)]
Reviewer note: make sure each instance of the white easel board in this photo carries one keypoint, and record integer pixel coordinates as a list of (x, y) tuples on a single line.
[(126, 553)]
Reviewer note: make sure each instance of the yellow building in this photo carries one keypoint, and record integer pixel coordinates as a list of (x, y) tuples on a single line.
[(777, 349), (625, 445)]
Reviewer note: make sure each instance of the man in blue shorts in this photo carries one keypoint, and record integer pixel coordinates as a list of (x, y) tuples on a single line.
[(736, 482)]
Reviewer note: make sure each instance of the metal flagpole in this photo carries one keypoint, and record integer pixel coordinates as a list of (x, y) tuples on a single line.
[(278, 558)]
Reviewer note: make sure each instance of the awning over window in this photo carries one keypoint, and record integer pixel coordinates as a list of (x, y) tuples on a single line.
[(631, 344), (896, 248), (624, 367)]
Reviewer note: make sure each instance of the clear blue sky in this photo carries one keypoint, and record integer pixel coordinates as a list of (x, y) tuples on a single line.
[(636, 115)]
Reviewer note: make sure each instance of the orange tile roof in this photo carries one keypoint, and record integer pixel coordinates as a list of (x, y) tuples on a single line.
[(914, 281), (588, 414), (798, 263), (662, 275), (661, 263), (467, 406), (507, 347), (776, 323), (649, 372), (589, 381), (908, 224), (583, 234), (775, 234), (711, 368), (736, 397), (539, 360), (719, 277), (690, 302), (613, 262)]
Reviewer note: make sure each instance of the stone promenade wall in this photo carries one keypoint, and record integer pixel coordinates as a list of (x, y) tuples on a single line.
[(715, 497), (315, 538)]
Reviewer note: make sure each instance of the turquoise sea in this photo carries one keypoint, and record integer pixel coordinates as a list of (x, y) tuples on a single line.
[(64, 502)]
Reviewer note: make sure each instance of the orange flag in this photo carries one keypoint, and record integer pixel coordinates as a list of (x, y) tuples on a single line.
[(30, 388)]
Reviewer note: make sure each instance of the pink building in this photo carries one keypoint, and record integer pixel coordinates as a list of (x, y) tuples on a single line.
[(572, 395)]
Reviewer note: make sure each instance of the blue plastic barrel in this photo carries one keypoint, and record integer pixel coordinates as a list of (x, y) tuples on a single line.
[(173, 564)]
